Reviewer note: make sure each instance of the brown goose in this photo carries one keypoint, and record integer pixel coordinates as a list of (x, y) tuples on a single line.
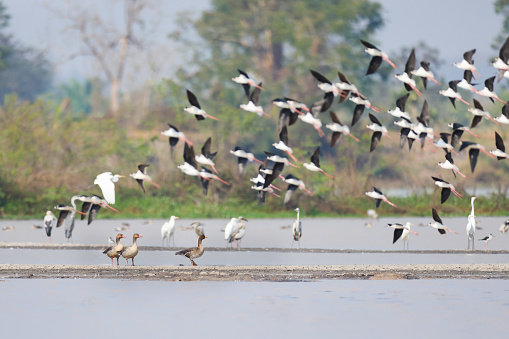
[(113, 251), (193, 252), (131, 251)]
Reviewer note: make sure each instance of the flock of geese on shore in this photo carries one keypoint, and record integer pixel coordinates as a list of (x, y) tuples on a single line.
[(293, 110)]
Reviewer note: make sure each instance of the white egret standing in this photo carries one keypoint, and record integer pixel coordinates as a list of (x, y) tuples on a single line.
[(106, 182), (168, 230), (297, 228), (471, 225)]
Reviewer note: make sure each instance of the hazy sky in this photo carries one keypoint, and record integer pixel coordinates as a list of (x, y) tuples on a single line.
[(453, 26)]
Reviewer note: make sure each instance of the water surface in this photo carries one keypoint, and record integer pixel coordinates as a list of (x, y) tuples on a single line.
[(347, 309)]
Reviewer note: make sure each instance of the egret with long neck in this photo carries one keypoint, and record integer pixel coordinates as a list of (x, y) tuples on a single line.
[(297, 228), (471, 225)]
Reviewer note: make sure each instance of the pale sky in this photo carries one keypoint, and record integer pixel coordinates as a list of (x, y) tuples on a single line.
[(453, 26)]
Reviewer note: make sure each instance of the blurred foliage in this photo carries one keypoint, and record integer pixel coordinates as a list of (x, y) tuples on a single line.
[(24, 71), (53, 147)]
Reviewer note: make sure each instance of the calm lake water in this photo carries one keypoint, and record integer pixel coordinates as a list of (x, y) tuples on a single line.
[(336, 309)]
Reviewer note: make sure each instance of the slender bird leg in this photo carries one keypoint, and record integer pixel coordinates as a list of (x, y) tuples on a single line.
[(118, 264), (434, 80), (502, 101), (211, 117), (132, 261), (192, 262), (111, 261), (390, 203), (354, 138), (463, 175), (463, 101), (291, 156), (127, 261), (448, 229), (328, 175)]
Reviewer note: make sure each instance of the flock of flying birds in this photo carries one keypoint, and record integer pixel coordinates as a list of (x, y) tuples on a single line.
[(291, 110)]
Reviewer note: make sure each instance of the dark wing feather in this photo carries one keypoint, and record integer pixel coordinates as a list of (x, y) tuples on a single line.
[(436, 217), (425, 113), (189, 156), (475, 121), (315, 158), (374, 119), (397, 234), (334, 139), (374, 64), (504, 51), (205, 150), (439, 180), (284, 118), (255, 94), (473, 153), (283, 135), (334, 118), (468, 56), (489, 83), (410, 63), (61, 217), (192, 99), (499, 142), (465, 144), (357, 113), (140, 182), (368, 45), (93, 212), (142, 167), (441, 231), (375, 140), (401, 102), (85, 208), (320, 77), (446, 192), (478, 105), (456, 136)]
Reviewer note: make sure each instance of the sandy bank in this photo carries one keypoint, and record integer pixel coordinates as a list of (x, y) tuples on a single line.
[(256, 273)]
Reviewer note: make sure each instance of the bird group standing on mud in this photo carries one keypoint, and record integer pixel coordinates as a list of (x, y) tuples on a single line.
[(282, 158)]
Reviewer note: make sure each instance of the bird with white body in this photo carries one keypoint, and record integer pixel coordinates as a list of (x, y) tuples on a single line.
[(297, 228), (106, 182), (168, 230)]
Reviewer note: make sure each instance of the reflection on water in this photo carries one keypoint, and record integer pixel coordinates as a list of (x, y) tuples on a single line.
[(348, 309)]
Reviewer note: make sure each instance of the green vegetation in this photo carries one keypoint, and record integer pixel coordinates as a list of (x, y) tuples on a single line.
[(53, 147)]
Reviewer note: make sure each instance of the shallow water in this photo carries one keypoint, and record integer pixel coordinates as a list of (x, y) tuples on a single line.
[(330, 233), (347, 309), (234, 258)]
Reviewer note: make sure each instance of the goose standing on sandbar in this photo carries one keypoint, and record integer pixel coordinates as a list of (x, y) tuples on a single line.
[(131, 251), (193, 252), (114, 251)]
